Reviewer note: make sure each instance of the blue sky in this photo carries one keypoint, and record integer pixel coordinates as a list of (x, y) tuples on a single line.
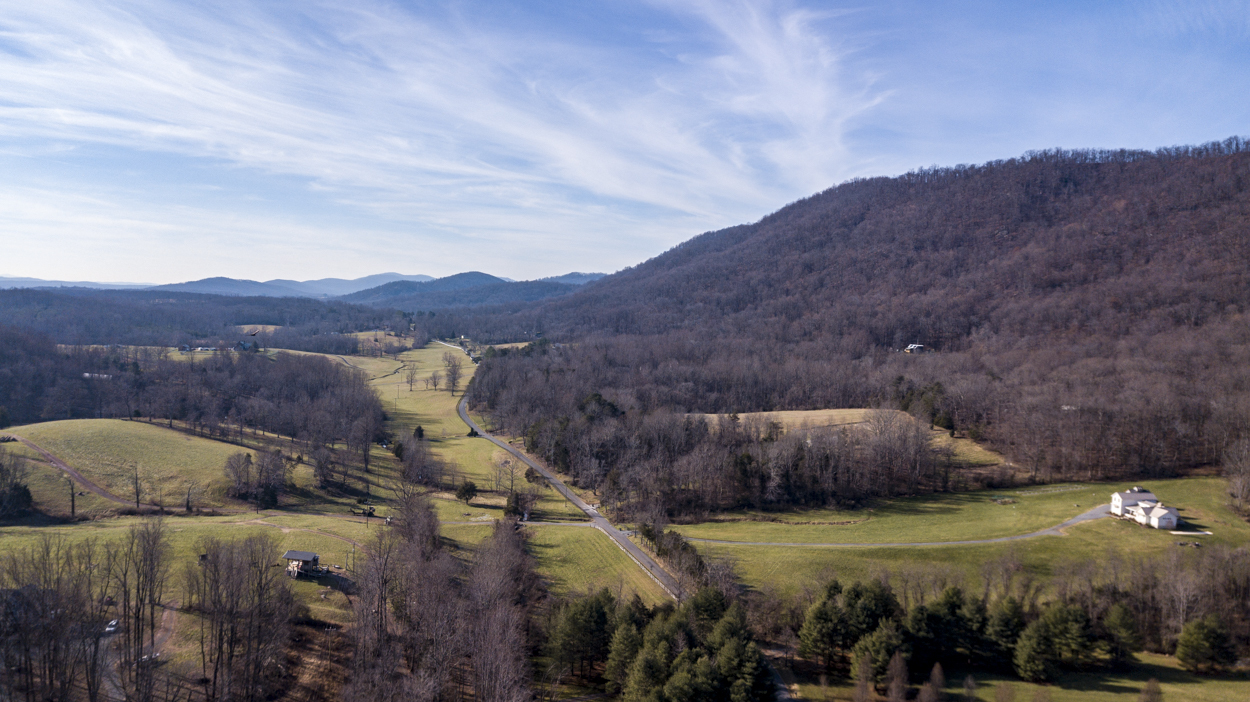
[(165, 141)]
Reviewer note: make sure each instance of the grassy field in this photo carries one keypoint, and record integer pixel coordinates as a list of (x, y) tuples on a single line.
[(435, 412), (1094, 686), (791, 569), (107, 451), (964, 516), (964, 450), (185, 532), (581, 559)]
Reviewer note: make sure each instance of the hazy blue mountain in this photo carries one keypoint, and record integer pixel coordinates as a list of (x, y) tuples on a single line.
[(231, 286), (402, 288), (473, 289), (573, 278), (12, 282), (333, 287)]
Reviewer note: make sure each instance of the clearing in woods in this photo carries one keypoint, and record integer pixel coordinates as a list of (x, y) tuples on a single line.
[(964, 450)]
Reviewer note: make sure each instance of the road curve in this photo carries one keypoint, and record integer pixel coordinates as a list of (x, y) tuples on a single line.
[(648, 564), (1095, 513)]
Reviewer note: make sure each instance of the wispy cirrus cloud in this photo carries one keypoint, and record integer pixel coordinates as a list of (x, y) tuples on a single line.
[(451, 126)]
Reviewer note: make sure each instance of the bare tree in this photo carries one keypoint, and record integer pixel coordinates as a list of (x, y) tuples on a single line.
[(411, 377), (453, 365), (239, 471)]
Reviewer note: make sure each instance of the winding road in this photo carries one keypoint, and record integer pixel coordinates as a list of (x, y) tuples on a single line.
[(646, 562)]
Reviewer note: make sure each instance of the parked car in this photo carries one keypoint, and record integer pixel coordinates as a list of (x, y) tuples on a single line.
[(111, 627)]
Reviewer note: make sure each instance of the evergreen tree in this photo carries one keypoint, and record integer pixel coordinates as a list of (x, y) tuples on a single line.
[(1004, 627), (1204, 646), (1120, 633), (879, 647), (1032, 658), (625, 644)]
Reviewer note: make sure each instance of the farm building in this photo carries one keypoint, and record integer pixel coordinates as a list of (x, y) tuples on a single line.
[(302, 563), (914, 348), (1122, 501)]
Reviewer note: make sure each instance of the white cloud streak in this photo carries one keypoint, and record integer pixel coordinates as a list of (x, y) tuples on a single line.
[(540, 144)]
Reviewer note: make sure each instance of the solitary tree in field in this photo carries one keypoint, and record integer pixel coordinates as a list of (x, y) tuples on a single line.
[(453, 367), (411, 377), (466, 492)]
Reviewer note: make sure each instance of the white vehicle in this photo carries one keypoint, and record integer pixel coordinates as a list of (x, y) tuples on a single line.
[(112, 626)]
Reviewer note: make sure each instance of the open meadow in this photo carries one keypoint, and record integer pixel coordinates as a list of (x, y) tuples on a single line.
[(960, 517), (110, 451)]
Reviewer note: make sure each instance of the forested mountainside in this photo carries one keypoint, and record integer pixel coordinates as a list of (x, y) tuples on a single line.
[(150, 318), (1086, 312)]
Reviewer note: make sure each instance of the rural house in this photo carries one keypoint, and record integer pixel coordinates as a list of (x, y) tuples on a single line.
[(1122, 501), (1143, 507)]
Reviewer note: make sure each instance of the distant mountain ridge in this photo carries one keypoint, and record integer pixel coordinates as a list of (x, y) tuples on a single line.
[(8, 282), (471, 289), (324, 287), (409, 292)]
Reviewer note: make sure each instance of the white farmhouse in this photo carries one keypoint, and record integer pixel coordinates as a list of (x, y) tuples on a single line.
[(1141, 505), (1122, 501)]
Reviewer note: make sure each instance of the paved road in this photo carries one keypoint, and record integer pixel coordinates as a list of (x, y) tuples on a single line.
[(648, 564), (1095, 513)]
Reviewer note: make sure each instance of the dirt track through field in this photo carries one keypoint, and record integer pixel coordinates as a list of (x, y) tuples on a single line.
[(78, 477)]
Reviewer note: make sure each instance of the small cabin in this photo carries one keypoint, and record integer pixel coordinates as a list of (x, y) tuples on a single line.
[(302, 563)]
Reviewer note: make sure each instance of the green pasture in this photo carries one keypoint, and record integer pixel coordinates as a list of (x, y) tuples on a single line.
[(1090, 686), (107, 451), (435, 412), (575, 559), (962, 516), (790, 569)]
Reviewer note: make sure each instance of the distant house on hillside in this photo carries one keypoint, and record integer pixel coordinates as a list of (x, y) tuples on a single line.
[(1143, 507)]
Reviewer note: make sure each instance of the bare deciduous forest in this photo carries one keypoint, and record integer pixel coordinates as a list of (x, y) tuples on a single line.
[(1085, 313)]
